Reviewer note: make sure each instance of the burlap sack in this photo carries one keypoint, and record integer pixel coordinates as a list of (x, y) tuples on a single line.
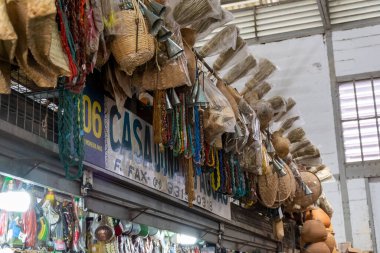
[(8, 36), (5, 77), (43, 37), (313, 231), (18, 15)]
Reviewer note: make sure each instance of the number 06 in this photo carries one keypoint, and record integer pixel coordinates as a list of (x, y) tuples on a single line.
[(92, 118)]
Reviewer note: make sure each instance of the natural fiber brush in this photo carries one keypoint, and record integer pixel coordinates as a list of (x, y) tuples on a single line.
[(278, 103), (294, 147), (226, 34), (288, 123), (309, 150), (240, 70), (266, 68), (296, 135), (225, 57), (188, 11), (263, 89), (290, 103)]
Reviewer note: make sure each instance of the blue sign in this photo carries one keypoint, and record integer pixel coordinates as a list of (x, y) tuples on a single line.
[(93, 103)]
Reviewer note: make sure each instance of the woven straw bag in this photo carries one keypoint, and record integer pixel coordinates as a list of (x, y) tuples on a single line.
[(135, 46), (43, 37)]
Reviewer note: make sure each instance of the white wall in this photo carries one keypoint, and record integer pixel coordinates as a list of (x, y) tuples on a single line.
[(357, 51), (303, 74), (375, 193)]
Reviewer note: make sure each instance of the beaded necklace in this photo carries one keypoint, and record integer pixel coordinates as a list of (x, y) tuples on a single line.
[(164, 121), (190, 148), (228, 189), (221, 171), (217, 169), (175, 133), (157, 104), (198, 145), (190, 182), (183, 121)]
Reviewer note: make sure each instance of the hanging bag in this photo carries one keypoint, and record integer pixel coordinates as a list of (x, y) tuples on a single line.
[(135, 45)]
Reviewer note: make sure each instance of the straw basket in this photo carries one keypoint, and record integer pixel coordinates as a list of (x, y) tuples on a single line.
[(268, 185), (135, 46)]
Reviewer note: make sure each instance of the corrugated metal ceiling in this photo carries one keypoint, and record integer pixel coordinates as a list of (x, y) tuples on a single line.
[(261, 19)]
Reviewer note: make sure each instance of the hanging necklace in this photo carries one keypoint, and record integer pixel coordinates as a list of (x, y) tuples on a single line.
[(198, 145), (164, 121), (221, 171), (217, 170)]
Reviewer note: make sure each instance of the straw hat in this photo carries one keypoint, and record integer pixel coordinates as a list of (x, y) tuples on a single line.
[(26, 61), (268, 185), (43, 37), (285, 186), (314, 184)]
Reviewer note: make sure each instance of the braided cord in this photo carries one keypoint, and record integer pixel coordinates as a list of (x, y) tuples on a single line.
[(70, 132)]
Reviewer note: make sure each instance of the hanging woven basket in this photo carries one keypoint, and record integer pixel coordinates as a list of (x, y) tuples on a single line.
[(135, 46)]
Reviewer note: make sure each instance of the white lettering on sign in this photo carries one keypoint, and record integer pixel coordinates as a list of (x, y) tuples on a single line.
[(130, 152)]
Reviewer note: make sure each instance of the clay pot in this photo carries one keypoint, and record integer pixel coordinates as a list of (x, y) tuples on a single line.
[(313, 231)]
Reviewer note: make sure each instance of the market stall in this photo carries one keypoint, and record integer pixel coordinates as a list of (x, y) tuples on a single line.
[(148, 124)]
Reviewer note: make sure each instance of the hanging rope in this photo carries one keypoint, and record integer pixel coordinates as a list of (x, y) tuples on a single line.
[(70, 132)]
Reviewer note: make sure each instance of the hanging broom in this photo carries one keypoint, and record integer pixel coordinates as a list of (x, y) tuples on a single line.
[(290, 103), (240, 70), (266, 68), (306, 151), (294, 147), (288, 123), (296, 135)]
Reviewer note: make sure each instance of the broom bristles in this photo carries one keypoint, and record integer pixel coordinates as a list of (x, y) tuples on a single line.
[(309, 150), (294, 147), (296, 135)]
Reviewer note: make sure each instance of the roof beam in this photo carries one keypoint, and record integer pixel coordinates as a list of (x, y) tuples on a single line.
[(324, 12)]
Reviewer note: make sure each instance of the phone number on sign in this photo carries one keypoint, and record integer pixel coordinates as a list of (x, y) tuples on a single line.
[(179, 192)]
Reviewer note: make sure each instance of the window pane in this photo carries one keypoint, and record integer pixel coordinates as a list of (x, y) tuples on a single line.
[(365, 101), (370, 139), (347, 101), (376, 83), (351, 141)]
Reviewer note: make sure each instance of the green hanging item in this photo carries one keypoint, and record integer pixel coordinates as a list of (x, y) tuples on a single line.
[(70, 132)]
